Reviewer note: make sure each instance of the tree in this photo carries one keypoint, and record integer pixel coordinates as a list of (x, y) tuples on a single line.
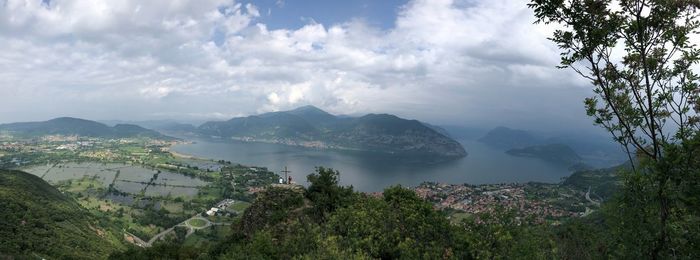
[(639, 58), (325, 192), (180, 234), (400, 225), (503, 235)]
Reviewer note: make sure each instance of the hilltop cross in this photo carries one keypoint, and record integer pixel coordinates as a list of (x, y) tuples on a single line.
[(285, 174)]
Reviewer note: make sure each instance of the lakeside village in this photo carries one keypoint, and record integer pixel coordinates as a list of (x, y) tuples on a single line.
[(541, 203)]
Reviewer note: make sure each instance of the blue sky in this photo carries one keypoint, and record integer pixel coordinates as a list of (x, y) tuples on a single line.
[(278, 14), (458, 62)]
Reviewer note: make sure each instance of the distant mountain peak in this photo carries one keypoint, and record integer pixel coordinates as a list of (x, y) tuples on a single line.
[(312, 114), (64, 118), (308, 109)]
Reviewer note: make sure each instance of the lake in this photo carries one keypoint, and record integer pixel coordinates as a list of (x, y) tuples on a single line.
[(369, 172)]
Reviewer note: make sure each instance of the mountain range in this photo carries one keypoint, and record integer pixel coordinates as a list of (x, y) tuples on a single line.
[(312, 127), (80, 127), (562, 148)]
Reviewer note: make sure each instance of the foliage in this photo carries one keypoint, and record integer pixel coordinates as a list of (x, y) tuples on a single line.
[(271, 207), (39, 221), (602, 182), (397, 225), (400, 225), (325, 193), (160, 251), (501, 235), (639, 58)]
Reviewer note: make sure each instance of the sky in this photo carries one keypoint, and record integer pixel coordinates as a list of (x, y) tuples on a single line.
[(449, 62)]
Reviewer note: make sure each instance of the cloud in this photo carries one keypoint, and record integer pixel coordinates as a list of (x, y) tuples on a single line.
[(445, 61)]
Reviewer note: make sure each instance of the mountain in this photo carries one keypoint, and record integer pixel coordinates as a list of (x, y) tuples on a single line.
[(598, 151), (312, 127), (81, 127), (269, 126), (506, 138), (175, 127), (464, 132), (555, 153), (313, 115), (158, 125), (38, 221), (439, 129)]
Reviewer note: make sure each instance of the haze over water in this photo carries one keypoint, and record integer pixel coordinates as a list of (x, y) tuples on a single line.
[(370, 172)]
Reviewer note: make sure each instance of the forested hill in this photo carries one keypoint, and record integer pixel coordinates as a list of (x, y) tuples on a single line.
[(80, 127), (38, 221), (313, 127)]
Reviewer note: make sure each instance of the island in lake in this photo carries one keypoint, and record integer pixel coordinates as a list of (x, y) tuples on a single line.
[(312, 127)]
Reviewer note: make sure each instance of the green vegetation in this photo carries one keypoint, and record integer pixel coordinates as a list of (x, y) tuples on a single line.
[(39, 221), (603, 183), (81, 127), (640, 61), (287, 222), (312, 127), (197, 222)]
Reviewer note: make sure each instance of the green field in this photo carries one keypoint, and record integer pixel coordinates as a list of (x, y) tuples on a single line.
[(240, 206), (198, 223)]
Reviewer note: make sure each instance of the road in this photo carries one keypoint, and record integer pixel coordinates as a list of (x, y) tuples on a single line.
[(588, 197), (190, 229)]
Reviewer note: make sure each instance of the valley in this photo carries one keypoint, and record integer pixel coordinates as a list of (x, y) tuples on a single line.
[(149, 191)]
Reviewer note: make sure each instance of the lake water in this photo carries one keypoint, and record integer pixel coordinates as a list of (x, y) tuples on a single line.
[(374, 172)]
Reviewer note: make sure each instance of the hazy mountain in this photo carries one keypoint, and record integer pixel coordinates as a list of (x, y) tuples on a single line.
[(439, 129), (80, 127), (313, 127), (599, 151), (464, 132), (313, 115), (277, 125), (177, 127), (506, 138), (38, 221), (555, 153), (166, 126)]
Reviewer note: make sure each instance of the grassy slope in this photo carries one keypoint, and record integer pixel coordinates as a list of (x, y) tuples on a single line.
[(38, 220)]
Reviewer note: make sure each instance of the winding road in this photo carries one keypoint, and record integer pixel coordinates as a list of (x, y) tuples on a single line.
[(190, 229), (588, 197)]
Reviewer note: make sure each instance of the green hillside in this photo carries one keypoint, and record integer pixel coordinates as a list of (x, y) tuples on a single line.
[(311, 126), (39, 221), (80, 127), (603, 182)]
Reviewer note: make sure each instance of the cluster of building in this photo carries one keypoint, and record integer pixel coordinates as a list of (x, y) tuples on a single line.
[(220, 208), (59, 138), (488, 198)]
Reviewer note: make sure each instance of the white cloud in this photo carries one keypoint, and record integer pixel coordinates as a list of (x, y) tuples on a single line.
[(443, 61)]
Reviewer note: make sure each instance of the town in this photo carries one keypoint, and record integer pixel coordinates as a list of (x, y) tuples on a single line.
[(543, 203)]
